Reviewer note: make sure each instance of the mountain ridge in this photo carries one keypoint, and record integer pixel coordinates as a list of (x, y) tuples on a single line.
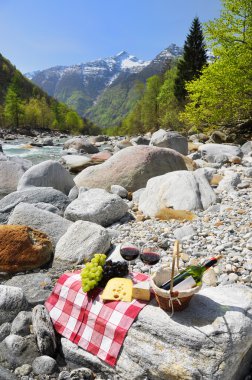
[(82, 86)]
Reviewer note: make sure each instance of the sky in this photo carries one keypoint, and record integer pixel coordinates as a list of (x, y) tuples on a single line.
[(37, 34)]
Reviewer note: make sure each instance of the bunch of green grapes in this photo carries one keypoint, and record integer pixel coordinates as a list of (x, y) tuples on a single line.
[(91, 274)]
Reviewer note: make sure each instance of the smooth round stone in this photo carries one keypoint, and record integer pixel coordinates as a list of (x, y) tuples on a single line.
[(44, 365)]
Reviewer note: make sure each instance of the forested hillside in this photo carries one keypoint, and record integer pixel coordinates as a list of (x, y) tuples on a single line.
[(199, 93), (24, 105)]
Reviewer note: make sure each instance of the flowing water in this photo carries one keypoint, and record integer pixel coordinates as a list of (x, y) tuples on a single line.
[(32, 153)]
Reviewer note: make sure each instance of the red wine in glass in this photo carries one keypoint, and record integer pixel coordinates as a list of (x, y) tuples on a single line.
[(150, 258), (129, 252)]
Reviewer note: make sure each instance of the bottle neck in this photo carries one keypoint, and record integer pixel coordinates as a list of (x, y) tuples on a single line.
[(209, 263)]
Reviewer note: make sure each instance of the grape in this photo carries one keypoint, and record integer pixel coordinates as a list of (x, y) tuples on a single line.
[(113, 269), (91, 274)]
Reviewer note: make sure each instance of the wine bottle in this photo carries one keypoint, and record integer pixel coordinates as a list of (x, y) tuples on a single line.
[(196, 271)]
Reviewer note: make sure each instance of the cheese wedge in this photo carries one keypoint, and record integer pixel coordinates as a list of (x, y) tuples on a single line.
[(118, 289), (141, 291)]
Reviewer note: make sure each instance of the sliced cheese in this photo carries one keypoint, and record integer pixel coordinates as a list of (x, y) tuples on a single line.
[(118, 289), (141, 291)]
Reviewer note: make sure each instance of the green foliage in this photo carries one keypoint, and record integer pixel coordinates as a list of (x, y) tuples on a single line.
[(193, 60), (22, 104), (13, 108), (168, 105), (115, 103), (223, 93), (149, 109)]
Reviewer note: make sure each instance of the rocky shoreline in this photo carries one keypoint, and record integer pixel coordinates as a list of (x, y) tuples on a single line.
[(130, 190)]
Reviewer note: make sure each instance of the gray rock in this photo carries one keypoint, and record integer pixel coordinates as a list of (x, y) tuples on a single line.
[(64, 375), (247, 147), (10, 173), (220, 149), (48, 141), (218, 137), (54, 226), (243, 185), (170, 139), (82, 374), (97, 206), (44, 365), (73, 194), (131, 168), (36, 195), (24, 370), (193, 344), (218, 158), (5, 330), (184, 232), (47, 207), (169, 191), (36, 288), (119, 190), (21, 323), (80, 145), (81, 241), (47, 174), (44, 331), (12, 301), (229, 182), (248, 172), (17, 350), (140, 140), (5, 374)]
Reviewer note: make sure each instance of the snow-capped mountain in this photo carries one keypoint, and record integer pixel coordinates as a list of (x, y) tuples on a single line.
[(79, 86)]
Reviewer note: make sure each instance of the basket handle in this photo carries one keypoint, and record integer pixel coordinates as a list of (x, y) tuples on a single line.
[(174, 257)]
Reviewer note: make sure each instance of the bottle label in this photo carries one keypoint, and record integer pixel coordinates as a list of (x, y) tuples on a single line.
[(187, 283)]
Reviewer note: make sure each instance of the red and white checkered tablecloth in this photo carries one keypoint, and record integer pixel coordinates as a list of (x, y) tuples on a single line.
[(97, 326)]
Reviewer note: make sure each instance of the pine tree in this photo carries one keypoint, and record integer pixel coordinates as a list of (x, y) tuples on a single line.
[(193, 60)]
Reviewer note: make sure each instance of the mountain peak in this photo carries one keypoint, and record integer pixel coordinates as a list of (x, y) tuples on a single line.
[(122, 54)]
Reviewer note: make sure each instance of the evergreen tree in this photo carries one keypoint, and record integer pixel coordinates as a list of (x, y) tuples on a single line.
[(223, 93), (13, 109), (193, 60)]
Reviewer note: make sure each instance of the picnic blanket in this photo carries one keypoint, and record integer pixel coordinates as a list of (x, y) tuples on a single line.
[(84, 318)]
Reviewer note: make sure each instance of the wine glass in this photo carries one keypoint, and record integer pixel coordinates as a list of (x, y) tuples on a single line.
[(129, 252), (150, 254)]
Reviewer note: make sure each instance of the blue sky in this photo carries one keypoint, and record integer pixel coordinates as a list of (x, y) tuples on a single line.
[(37, 34)]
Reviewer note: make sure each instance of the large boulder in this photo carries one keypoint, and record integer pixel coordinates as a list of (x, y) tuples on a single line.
[(10, 173), (47, 174), (202, 342), (36, 288), (131, 168), (75, 163), (80, 145), (81, 241), (15, 350), (214, 152), (97, 206), (181, 190), (170, 139), (34, 195), (12, 301), (53, 225), (23, 248)]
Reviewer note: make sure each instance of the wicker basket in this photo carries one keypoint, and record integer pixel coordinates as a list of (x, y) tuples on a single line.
[(171, 300)]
